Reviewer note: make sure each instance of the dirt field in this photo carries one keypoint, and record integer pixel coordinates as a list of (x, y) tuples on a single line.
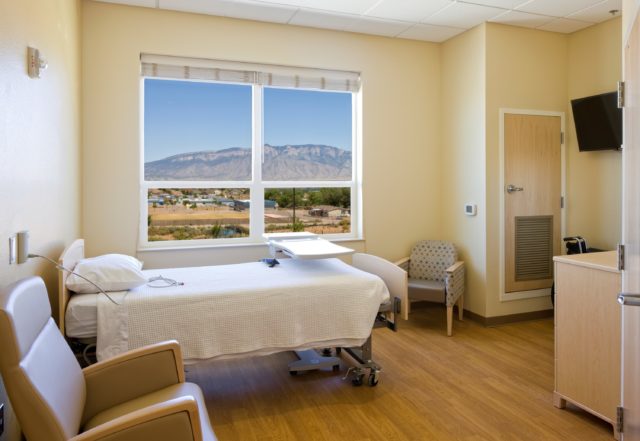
[(204, 217)]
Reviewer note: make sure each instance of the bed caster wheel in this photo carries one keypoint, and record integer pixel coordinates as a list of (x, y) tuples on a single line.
[(373, 379), (358, 380), (336, 368), (293, 373)]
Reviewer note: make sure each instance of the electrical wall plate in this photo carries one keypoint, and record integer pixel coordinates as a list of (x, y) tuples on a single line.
[(13, 249), (35, 64), (470, 209)]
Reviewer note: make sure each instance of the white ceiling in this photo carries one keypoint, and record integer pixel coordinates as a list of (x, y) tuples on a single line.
[(429, 20)]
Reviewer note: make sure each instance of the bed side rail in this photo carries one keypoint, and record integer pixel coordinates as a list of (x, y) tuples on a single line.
[(396, 280)]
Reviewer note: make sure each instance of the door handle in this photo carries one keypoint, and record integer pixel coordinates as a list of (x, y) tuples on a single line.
[(511, 188), (628, 299)]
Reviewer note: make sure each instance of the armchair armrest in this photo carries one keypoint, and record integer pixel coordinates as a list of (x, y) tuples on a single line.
[(176, 419), (454, 283), (455, 267), (131, 375), (403, 263)]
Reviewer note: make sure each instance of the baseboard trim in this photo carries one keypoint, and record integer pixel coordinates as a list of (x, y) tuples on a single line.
[(511, 318), (492, 321)]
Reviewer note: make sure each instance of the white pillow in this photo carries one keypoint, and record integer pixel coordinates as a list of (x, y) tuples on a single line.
[(111, 272)]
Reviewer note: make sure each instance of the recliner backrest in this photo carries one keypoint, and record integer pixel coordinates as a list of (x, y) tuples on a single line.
[(430, 259), (42, 376)]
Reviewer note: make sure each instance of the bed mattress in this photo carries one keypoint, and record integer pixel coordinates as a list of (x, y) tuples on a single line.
[(235, 309), (81, 318)]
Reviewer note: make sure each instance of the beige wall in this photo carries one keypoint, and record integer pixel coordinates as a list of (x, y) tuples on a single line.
[(401, 103), (39, 138), (526, 69), (463, 156), (594, 178), (516, 68), (629, 11)]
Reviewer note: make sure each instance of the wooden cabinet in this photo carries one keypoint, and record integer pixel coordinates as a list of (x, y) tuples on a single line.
[(587, 333)]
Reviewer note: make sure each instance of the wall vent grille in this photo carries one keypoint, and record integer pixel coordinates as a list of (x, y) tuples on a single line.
[(534, 248)]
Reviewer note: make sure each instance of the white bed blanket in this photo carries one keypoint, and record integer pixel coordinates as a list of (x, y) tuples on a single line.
[(244, 309)]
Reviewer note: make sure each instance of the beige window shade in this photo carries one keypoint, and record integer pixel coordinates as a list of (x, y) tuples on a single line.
[(162, 66)]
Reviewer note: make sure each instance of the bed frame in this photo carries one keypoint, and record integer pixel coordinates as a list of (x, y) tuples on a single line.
[(394, 277), (68, 259)]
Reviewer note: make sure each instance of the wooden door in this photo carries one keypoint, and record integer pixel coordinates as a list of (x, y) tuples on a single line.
[(532, 200), (631, 239)]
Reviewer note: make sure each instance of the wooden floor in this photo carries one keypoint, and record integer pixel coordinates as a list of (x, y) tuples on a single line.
[(481, 384)]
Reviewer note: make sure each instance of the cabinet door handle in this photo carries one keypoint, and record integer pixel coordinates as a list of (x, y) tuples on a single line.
[(628, 299)]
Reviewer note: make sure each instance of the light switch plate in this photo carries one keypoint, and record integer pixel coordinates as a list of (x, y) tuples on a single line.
[(470, 209), (13, 249)]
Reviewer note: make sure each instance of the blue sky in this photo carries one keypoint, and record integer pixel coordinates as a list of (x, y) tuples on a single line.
[(183, 116)]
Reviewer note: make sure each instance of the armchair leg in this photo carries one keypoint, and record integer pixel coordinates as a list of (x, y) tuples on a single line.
[(449, 320), (460, 304)]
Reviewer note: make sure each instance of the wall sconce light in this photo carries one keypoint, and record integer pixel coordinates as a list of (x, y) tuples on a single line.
[(34, 63)]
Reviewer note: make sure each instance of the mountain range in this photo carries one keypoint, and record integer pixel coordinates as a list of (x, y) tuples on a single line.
[(287, 162)]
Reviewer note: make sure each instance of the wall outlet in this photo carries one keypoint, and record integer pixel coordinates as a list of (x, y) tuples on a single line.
[(1, 419), (13, 249)]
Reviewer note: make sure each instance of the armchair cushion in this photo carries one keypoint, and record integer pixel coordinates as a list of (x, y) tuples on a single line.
[(430, 259), (174, 392), (428, 285)]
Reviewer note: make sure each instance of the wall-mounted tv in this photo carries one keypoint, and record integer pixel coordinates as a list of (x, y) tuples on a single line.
[(598, 122)]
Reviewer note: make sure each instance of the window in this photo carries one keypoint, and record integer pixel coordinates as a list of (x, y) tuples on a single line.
[(231, 153)]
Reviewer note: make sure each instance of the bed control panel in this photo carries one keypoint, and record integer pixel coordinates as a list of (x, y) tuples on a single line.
[(270, 262)]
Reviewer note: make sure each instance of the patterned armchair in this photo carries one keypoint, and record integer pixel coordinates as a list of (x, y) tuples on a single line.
[(436, 275)]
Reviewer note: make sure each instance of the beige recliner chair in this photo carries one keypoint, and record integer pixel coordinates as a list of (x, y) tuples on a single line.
[(139, 395)]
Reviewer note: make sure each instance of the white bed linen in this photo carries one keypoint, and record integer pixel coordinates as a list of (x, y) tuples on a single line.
[(81, 318), (245, 309)]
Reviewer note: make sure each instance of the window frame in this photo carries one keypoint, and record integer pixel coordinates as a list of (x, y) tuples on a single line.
[(255, 185)]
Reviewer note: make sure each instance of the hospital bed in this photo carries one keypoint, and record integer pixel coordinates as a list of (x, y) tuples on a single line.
[(298, 284)]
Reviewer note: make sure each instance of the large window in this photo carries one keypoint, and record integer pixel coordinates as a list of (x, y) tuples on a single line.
[(230, 154)]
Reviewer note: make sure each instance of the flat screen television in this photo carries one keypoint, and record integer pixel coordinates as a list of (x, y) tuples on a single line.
[(598, 122)]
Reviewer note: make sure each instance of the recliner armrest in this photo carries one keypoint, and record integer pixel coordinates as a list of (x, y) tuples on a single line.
[(131, 375), (177, 419)]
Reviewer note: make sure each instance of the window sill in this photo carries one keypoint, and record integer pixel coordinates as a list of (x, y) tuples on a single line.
[(143, 249)]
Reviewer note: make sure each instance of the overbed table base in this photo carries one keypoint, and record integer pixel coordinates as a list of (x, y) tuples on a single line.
[(310, 359), (363, 355)]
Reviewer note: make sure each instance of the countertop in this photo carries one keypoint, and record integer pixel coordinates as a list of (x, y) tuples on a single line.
[(604, 261)]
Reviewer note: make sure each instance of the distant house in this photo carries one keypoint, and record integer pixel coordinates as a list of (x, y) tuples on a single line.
[(327, 211), (225, 201), (246, 203), (240, 205)]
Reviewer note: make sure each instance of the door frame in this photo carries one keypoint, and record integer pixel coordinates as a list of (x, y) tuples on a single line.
[(519, 295)]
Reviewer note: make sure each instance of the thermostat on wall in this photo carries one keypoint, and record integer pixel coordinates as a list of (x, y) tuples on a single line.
[(470, 209)]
